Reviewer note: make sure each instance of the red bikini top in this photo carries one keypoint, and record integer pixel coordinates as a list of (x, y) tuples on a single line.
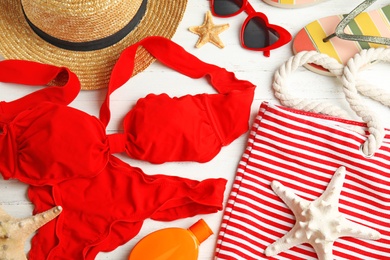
[(43, 141)]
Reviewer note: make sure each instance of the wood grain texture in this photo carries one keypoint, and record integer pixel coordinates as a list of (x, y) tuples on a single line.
[(249, 65)]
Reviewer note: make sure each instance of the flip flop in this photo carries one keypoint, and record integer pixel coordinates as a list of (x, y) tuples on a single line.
[(292, 3), (342, 36)]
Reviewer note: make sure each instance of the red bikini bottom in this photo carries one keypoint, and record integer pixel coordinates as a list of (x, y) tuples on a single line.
[(106, 211)]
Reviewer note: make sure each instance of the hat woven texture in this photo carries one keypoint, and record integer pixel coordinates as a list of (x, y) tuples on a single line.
[(84, 21)]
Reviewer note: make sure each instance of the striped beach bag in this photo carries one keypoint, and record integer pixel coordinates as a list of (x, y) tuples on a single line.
[(312, 184)]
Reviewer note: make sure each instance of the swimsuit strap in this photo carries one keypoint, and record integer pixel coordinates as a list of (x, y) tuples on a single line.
[(175, 57), (37, 74)]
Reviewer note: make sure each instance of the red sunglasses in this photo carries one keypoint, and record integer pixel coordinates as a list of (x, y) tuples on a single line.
[(256, 33)]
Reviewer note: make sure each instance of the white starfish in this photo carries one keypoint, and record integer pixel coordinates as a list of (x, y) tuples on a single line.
[(14, 232), (318, 222)]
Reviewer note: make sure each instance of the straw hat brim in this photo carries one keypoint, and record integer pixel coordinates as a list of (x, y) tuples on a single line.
[(18, 41)]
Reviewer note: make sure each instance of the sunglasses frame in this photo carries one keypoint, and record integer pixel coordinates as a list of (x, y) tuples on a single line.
[(284, 35)]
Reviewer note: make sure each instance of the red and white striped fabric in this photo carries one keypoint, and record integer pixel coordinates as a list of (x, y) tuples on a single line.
[(303, 150)]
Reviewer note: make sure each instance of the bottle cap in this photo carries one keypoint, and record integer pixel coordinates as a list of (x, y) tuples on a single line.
[(201, 230)]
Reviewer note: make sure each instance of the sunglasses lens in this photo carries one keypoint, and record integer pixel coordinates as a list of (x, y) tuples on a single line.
[(257, 35), (227, 7)]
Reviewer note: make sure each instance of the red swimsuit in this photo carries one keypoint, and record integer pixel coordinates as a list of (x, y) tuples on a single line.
[(66, 156)]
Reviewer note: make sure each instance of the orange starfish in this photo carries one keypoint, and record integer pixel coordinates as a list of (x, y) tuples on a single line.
[(14, 232), (208, 32)]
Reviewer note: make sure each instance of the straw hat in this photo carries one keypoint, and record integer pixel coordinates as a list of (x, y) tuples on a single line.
[(87, 36)]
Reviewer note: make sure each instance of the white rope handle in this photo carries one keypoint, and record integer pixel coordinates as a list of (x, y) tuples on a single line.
[(377, 94), (351, 86), (281, 90), (349, 80)]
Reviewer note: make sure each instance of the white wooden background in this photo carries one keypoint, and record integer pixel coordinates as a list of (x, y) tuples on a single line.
[(249, 65)]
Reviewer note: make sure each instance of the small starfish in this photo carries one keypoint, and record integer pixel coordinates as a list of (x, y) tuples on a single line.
[(318, 222), (14, 232), (208, 32)]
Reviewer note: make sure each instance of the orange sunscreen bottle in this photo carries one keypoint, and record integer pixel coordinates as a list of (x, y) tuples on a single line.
[(172, 243)]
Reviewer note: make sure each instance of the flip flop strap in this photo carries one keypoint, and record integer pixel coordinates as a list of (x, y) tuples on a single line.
[(340, 29), (352, 86)]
